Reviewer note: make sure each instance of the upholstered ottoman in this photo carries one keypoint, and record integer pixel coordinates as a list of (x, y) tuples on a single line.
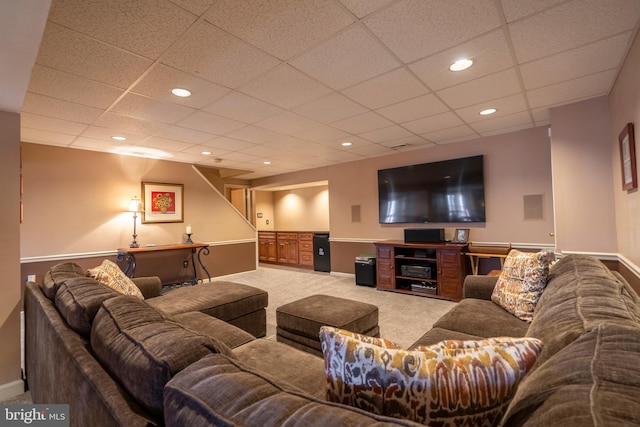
[(299, 322), (235, 303)]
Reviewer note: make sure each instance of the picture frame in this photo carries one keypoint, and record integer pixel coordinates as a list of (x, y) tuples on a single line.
[(162, 202), (461, 235), (628, 158)]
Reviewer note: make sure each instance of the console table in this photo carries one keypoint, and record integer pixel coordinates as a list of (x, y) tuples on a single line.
[(197, 249)]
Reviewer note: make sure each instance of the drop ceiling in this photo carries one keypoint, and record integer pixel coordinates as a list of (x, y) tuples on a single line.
[(289, 81)]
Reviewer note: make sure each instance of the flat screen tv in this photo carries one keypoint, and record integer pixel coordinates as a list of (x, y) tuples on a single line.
[(437, 192)]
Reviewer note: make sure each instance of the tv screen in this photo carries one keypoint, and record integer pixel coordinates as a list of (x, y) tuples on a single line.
[(438, 192)]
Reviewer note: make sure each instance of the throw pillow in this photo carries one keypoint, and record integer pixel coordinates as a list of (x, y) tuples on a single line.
[(109, 273), (453, 383), (521, 282)]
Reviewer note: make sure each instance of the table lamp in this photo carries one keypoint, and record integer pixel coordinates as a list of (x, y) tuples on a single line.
[(135, 207)]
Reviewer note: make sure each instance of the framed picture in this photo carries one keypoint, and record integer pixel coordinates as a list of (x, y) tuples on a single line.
[(461, 236), (628, 158), (162, 202)]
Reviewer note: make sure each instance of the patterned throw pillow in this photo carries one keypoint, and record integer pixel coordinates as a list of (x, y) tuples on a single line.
[(521, 282), (453, 383), (110, 274)]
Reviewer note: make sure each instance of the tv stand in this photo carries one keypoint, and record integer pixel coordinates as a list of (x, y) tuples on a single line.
[(428, 269)]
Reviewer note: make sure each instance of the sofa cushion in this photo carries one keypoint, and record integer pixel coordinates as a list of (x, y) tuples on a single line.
[(110, 274), (143, 349), (435, 335), (521, 282), (217, 391), (594, 381), (581, 293), (449, 383), (481, 318), (230, 335), (57, 276), (78, 300)]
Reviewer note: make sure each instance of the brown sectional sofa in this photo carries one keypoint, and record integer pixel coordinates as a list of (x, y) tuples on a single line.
[(587, 374)]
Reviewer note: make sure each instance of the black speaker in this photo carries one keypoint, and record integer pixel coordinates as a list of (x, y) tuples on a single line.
[(424, 235)]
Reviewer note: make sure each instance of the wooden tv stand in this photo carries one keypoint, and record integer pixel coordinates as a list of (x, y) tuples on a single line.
[(427, 269)]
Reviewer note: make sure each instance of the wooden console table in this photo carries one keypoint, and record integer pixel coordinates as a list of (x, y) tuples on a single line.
[(197, 249)]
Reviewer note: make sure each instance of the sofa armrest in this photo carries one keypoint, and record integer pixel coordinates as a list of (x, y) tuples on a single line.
[(479, 287), (149, 286)]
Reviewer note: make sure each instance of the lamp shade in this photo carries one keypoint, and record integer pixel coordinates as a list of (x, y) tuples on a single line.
[(134, 205)]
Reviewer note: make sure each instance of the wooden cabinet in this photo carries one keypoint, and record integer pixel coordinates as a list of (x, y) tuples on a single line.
[(287, 247), (267, 247), (305, 249), (429, 269)]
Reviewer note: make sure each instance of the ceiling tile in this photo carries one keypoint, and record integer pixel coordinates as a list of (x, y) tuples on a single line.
[(400, 143), (229, 144), (454, 134), (362, 8), (198, 149), (281, 27), (239, 156), (497, 85), (390, 88), (52, 107), (508, 105), (160, 80), (206, 122), (571, 25), (285, 87), (214, 55), (416, 108), (371, 150), (133, 28), (178, 133), (433, 123), (254, 134), (572, 90), (99, 145), (330, 108), (45, 137), (362, 123), (516, 9), (105, 134), (84, 56), (414, 29), (390, 133), (129, 124), (165, 144), (511, 120), (58, 84), (540, 114), (490, 54), (592, 58), (504, 130), (197, 7), (50, 124), (323, 134), (287, 123), (146, 108), (347, 59), (243, 108)]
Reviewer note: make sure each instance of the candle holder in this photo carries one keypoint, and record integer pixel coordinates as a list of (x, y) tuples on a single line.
[(189, 241)]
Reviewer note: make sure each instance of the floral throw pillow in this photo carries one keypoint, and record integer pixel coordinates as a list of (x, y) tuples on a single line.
[(521, 282), (108, 273), (452, 383)]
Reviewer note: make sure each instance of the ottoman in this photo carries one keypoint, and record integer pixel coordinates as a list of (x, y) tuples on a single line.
[(299, 322), (235, 303)]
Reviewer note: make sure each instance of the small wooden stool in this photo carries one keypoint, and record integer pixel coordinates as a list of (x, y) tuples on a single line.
[(299, 322)]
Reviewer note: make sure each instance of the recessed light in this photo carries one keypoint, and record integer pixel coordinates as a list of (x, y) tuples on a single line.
[(267, 163), (118, 138), (488, 111), (206, 153), (347, 144), (461, 64), (182, 93)]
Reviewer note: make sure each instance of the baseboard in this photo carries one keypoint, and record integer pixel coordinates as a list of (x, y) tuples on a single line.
[(12, 389)]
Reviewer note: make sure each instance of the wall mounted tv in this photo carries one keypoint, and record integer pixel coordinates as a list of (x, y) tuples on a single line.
[(439, 192)]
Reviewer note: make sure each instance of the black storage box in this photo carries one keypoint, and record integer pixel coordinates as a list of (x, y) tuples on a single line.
[(366, 271)]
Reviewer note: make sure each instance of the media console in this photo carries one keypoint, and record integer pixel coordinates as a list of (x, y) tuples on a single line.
[(428, 269)]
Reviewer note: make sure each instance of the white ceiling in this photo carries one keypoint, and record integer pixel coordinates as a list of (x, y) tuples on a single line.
[(287, 81)]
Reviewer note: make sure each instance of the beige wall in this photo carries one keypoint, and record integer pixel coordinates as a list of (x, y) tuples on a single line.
[(303, 209), (624, 107), (516, 164), (264, 206), (74, 203), (10, 302), (582, 179)]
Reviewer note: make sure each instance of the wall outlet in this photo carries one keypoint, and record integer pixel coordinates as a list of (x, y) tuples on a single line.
[(31, 278)]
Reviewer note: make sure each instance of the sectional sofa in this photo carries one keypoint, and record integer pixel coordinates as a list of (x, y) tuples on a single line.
[(141, 365)]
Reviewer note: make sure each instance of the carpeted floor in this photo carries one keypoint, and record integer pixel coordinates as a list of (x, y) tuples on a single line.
[(403, 318)]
